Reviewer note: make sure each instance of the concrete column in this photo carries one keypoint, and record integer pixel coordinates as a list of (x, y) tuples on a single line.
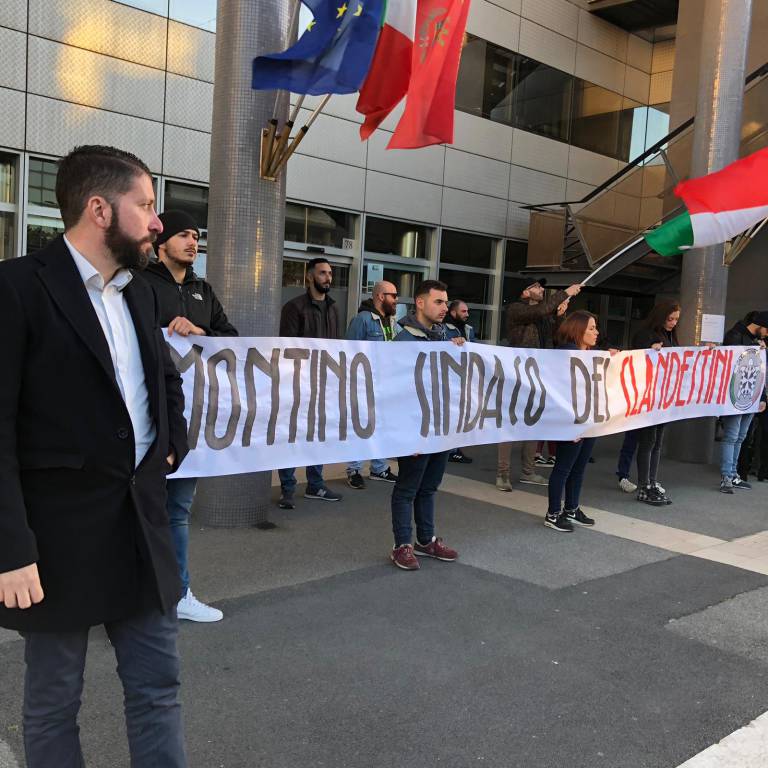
[(704, 283), (246, 218)]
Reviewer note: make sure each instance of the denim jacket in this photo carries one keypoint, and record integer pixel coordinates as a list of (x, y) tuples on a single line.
[(367, 325)]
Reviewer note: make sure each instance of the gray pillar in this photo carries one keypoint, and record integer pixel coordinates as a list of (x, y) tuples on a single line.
[(246, 219), (717, 130)]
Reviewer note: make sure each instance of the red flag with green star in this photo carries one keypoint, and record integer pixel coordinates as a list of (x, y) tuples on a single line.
[(428, 116)]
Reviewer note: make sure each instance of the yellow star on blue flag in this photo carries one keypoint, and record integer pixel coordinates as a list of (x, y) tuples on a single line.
[(335, 58)]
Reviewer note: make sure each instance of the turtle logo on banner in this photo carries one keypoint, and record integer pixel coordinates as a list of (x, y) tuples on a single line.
[(747, 379)]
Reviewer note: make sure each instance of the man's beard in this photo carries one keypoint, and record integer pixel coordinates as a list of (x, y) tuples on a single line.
[(127, 252), (321, 287)]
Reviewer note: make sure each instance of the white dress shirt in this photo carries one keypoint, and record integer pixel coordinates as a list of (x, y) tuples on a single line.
[(117, 324)]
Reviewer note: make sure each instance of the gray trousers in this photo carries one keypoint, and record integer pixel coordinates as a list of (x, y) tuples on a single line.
[(148, 666)]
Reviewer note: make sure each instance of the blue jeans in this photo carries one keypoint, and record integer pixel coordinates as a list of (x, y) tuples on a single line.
[(735, 429), (181, 492), (148, 666), (377, 466), (626, 454), (568, 474), (314, 479), (418, 479)]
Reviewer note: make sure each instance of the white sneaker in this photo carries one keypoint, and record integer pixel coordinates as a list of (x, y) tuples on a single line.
[(627, 485), (191, 609)]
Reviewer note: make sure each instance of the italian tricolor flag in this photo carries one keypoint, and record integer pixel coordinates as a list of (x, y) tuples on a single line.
[(390, 73), (719, 206)]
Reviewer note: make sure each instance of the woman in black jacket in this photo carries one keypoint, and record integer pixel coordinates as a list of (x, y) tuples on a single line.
[(578, 331), (659, 330)]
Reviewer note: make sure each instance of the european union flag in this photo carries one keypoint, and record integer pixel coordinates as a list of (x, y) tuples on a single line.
[(332, 56)]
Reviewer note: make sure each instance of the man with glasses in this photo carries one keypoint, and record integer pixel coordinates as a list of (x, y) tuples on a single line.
[(374, 322)]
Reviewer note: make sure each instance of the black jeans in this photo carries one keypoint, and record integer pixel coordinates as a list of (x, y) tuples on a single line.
[(568, 474), (418, 479), (649, 442)]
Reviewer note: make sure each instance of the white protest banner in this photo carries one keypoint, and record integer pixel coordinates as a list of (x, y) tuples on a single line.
[(263, 403)]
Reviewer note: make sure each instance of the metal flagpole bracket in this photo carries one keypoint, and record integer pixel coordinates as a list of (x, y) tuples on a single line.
[(734, 248), (275, 146)]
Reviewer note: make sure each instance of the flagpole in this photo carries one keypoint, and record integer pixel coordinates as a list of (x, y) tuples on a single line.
[(613, 258), (283, 159)]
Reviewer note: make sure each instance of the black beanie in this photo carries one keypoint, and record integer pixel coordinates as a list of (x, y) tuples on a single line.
[(173, 223)]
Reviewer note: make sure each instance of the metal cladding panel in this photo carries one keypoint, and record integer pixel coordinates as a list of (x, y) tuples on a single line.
[(466, 210), (186, 153), (102, 26), (475, 173), (55, 127), (94, 80), (11, 118), (602, 36), (402, 198), (191, 51), (540, 153), (518, 221), (426, 164), (325, 183), (561, 16), (529, 186), (188, 103), (13, 13), (13, 59)]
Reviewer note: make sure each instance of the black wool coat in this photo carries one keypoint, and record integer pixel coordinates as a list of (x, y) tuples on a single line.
[(70, 497)]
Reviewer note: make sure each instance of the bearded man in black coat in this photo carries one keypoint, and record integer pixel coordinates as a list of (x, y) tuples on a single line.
[(91, 421)]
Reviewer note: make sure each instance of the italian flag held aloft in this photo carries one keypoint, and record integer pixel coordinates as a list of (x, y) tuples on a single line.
[(720, 206), (387, 80)]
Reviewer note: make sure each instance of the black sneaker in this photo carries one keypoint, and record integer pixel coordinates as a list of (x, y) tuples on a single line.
[(388, 476), (578, 517), (742, 485), (286, 501), (558, 522), (661, 493), (355, 480), (459, 458), (323, 494), (650, 495), (726, 484)]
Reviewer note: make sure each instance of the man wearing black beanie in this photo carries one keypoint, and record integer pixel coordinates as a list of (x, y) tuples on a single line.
[(188, 306)]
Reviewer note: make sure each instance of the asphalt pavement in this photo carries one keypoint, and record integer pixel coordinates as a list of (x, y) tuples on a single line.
[(536, 649)]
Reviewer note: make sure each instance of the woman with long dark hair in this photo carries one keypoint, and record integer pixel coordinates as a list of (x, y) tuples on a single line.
[(578, 331), (659, 330)]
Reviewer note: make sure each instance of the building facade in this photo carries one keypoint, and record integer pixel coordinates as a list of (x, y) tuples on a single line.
[(551, 101)]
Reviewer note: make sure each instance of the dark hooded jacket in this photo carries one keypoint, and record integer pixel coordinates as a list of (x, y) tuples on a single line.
[(413, 330), (194, 299)]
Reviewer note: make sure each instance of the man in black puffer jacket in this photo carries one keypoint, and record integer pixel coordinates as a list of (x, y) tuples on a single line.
[(189, 307)]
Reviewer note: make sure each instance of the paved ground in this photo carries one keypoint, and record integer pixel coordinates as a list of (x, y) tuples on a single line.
[(537, 649)]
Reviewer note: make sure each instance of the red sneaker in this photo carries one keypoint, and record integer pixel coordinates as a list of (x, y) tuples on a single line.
[(402, 557), (436, 549)]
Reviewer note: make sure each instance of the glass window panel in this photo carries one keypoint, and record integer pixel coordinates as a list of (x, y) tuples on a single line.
[(197, 13), (397, 238), (658, 124), (485, 83), (515, 256), (480, 320), (466, 250), (41, 230), (42, 182), (7, 178), (472, 287), (295, 271), (542, 99), (596, 118), (7, 234), (317, 226), (405, 279), (153, 6), (188, 198)]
